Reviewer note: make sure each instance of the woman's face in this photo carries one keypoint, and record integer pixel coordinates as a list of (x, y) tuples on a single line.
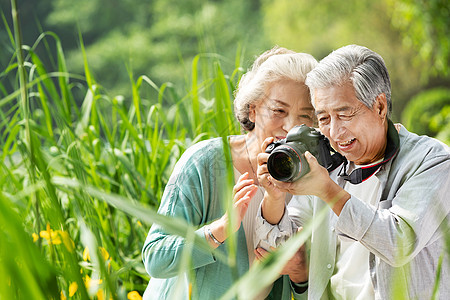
[(285, 105)]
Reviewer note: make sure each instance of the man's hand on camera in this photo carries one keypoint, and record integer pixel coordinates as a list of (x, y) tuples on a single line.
[(316, 182)]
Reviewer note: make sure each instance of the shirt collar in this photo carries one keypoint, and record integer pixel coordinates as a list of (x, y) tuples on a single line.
[(364, 172)]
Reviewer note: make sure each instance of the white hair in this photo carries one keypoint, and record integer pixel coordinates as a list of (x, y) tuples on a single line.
[(364, 68), (273, 65)]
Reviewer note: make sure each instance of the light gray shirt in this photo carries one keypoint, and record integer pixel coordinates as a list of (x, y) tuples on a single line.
[(404, 231)]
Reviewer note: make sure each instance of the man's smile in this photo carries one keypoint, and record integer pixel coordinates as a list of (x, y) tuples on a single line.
[(346, 144)]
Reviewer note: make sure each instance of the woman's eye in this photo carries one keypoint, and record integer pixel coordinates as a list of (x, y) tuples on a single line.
[(305, 117), (278, 111), (322, 120)]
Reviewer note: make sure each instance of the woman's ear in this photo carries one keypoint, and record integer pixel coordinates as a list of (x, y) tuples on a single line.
[(380, 106), (252, 112)]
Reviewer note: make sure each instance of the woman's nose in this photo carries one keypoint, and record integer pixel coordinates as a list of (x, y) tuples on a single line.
[(289, 123)]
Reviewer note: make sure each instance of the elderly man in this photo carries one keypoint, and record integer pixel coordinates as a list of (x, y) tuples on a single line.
[(388, 205)]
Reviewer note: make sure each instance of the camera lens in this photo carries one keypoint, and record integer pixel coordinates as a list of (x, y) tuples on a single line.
[(282, 166), (287, 164)]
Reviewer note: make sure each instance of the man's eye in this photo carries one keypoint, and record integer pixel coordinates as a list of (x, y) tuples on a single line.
[(345, 117), (308, 117)]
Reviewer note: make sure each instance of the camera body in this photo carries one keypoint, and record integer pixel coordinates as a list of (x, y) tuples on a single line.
[(287, 161)]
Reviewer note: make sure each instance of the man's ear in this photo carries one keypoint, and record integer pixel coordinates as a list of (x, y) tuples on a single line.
[(381, 107)]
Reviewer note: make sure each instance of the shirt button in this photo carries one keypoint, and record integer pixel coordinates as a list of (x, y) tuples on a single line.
[(332, 228), (329, 266)]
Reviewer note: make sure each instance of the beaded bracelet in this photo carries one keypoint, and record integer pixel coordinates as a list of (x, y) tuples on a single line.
[(213, 237)]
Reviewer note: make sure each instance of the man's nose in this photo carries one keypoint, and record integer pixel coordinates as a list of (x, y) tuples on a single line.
[(336, 129)]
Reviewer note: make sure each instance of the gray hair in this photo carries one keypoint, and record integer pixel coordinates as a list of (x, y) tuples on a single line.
[(359, 65), (273, 65)]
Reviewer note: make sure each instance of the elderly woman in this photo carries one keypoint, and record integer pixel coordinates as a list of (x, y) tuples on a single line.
[(271, 99)]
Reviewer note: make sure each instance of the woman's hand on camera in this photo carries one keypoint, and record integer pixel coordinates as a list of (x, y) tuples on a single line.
[(272, 207), (273, 193)]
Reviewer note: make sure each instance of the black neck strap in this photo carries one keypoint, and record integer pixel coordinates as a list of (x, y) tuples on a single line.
[(359, 175)]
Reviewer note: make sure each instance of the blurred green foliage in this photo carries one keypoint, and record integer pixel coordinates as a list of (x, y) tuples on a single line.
[(82, 165), (82, 173), (155, 38), (429, 113), (424, 26), (318, 27), (160, 38)]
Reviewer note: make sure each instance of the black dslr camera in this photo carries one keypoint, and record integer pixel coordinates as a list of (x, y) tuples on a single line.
[(286, 160)]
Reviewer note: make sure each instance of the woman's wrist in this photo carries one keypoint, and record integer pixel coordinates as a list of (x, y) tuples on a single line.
[(211, 236), (215, 232)]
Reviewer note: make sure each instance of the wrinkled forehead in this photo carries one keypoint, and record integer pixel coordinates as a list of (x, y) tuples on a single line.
[(335, 98)]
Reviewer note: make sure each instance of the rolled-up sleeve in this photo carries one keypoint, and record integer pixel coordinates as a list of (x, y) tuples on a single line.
[(269, 235)]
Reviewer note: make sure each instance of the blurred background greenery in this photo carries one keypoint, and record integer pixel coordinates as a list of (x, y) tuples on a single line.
[(159, 38), (108, 94)]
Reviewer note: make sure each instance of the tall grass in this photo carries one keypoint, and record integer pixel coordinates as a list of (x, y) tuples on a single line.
[(81, 178)]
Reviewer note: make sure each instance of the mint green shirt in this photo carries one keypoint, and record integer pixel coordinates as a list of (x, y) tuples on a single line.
[(194, 192)]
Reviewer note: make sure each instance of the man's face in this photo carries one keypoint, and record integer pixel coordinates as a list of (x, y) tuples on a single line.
[(357, 132)]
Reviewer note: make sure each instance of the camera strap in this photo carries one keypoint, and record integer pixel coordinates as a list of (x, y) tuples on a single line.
[(359, 175)]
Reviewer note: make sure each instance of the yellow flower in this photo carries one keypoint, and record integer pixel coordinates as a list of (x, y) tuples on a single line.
[(104, 253), (63, 297), (73, 287), (86, 256), (56, 237), (35, 237), (91, 282), (134, 296), (87, 281), (68, 242), (93, 285), (139, 223), (51, 236), (100, 295)]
